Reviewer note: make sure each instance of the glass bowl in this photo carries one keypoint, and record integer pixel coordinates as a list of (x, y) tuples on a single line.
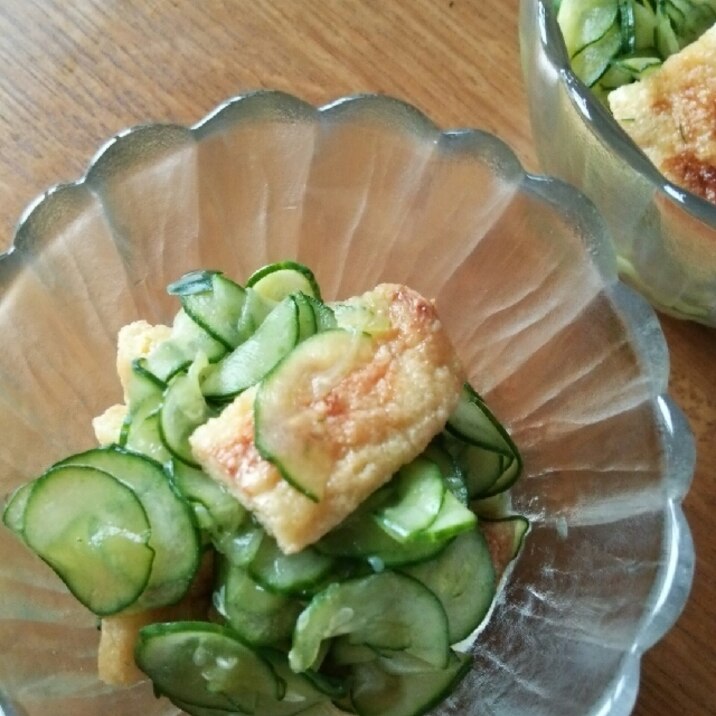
[(366, 190), (665, 236)]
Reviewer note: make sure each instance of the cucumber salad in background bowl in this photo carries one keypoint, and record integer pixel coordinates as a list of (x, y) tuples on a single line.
[(221, 541), (619, 82)]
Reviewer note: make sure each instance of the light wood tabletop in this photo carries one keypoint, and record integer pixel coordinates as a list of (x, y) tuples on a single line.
[(75, 73)]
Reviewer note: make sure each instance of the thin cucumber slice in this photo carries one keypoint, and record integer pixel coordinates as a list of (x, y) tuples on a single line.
[(325, 318), (451, 471), (143, 386), (360, 537), (173, 538), (94, 533), (387, 611), (278, 280), (183, 410), (593, 60), (241, 546), (144, 435), (259, 617), (374, 692), (307, 324), (253, 313), (482, 469), (504, 538), (13, 515), (584, 23), (417, 495), (472, 422), (216, 309), (215, 510), (627, 25), (302, 693), (511, 470), (205, 665), (359, 317), (253, 359), (287, 430), (199, 281), (453, 519), (187, 340), (292, 574), (463, 578)]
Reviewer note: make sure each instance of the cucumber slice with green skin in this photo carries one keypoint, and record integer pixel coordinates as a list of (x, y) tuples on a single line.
[(199, 281), (241, 546), (453, 519), (301, 690), (417, 495), (290, 574), (463, 578), (286, 430), (205, 665), (259, 617), (584, 23), (13, 515), (504, 538), (388, 611), (374, 692), (590, 63), (360, 537), (183, 410), (511, 470), (325, 318), (94, 533), (627, 25), (473, 423), (143, 433), (278, 280), (252, 360), (253, 313), (217, 308), (307, 324), (174, 539), (215, 510), (143, 385), (452, 472), (178, 352), (482, 469)]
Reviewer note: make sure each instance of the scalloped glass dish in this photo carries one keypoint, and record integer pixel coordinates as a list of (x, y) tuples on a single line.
[(664, 235), (367, 190)]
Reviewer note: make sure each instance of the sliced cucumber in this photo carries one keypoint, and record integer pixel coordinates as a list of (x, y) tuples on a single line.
[(452, 472), (187, 340), (584, 23), (143, 433), (216, 306), (453, 519), (387, 611), (143, 386), (260, 617), (482, 469), (13, 515), (253, 313), (590, 63), (289, 432), (253, 359), (288, 573), (216, 511), (241, 546), (472, 422), (325, 318), (374, 692), (278, 280), (417, 495), (462, 577), (173, 537), (205, 665), (183, 410), (92, 531), (307, 324)]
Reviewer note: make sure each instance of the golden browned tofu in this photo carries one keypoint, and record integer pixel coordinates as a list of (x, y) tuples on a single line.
[(374, 416), (671, 115)]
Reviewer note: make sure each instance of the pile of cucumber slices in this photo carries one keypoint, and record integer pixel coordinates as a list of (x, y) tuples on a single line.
[(614, 42), (365, 620)]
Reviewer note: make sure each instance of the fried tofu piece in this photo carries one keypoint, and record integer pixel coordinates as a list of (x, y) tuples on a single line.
[(378, 415), (137, 340), (671, 114)]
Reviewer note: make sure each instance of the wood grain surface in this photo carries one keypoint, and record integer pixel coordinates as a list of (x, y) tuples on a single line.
[(74, 73)]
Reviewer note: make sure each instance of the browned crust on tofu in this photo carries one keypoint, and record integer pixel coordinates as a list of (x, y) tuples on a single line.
[(379, 416)]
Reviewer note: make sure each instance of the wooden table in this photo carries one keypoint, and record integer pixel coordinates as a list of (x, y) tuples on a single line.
[(74, 73)]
